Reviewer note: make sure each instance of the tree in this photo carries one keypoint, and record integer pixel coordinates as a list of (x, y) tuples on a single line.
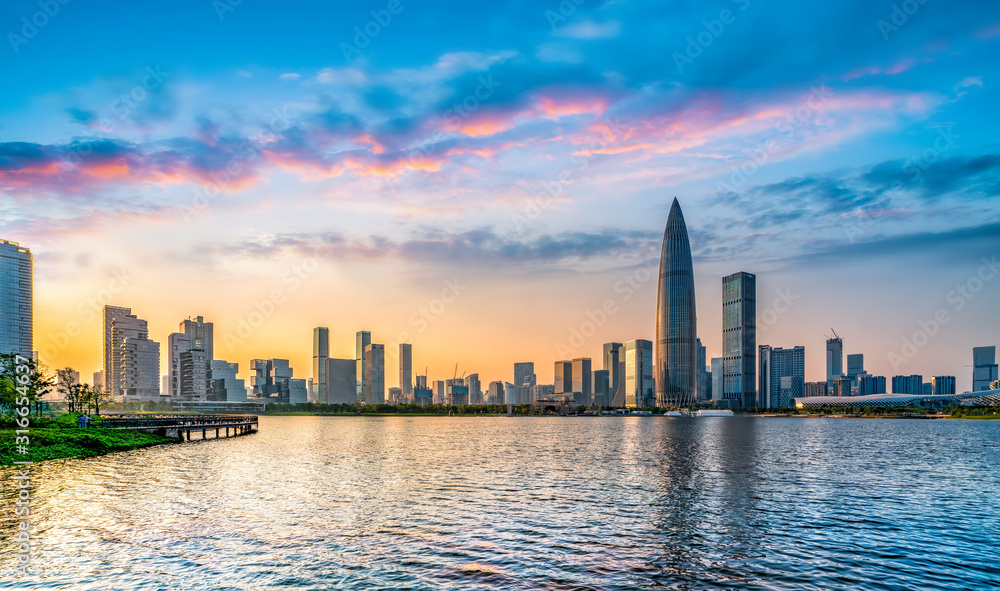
[(99, 395), (69, 390), (35, 386)]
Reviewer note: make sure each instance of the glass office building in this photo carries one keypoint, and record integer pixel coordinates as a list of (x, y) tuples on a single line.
[(675, 365)]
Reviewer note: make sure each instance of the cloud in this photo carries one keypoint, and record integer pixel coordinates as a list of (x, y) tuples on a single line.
[(590, 30), (473, 247)]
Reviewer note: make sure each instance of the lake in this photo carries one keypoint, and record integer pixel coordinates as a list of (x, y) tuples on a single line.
[(528, 503)]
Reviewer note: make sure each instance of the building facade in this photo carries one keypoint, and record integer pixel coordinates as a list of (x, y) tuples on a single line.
[(321, 353), (583, 390), (341, 378), (639, 387), (834, 359), (739, 340), (406, 369), (869, 384), (16, 316), (943, 385), (773, 364), (362, 339), (374, 374), (911, 384), (112, 350), (984, 367)]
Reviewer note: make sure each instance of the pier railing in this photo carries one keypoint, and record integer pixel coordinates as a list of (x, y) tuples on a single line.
[(180, 426)]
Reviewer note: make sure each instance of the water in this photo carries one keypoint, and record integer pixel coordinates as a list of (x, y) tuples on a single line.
[(529, 503)]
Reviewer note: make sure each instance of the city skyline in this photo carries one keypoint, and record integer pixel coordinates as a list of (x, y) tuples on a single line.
[(461, 187)]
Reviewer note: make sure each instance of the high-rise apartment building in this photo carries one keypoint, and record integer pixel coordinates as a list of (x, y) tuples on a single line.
[(134, 358), (374, 374), (817, 389), (112, 350), (583, 390), (639, 387), (943, 384), (739, 339), (675, 366), (912, 384), (984, 367), (773, 364), (177, 344), (201, 334), (15, 299), (406, 369), (321, 353), (195, 375), (869, 384)]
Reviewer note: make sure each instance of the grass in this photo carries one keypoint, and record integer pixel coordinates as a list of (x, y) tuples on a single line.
[(52, 438)]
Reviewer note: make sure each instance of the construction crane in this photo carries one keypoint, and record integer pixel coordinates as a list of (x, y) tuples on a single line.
[(456, 372)]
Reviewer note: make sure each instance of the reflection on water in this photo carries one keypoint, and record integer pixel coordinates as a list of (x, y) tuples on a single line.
[(528, 503)]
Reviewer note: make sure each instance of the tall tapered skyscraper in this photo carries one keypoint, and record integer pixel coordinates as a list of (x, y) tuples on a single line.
[(675, 358)]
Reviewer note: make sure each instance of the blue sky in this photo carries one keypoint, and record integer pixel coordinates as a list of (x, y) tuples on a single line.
[(847, 152)]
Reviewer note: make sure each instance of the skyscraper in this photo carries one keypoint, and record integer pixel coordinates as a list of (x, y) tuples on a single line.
[(739, 339), (361, 342), (195, 374), (984, 367), (524, 382), (676, 325), (341, 377), (112, 350), (583, 388), (855, 366), (135, 358), (612, 359), (177, 344), (834, 358), (563, 377), (717, 378), (201, 335), (773, 364), (15, 299), (321, 352), (602, 388), (943, 384), (374, 374), (701, 386), (406, 369), (475, 388), (639, 384)]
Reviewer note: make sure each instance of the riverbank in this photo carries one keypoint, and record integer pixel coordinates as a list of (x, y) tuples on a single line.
[(55, 438)]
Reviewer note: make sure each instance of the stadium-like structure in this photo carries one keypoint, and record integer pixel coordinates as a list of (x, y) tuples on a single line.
[(981, 398)]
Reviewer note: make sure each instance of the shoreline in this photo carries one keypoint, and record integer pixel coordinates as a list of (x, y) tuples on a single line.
[(56, 441)]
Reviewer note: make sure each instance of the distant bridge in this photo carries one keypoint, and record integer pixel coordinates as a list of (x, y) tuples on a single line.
[(181, 426)]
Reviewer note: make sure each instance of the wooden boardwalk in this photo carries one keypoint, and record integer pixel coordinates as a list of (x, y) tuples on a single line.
[(181, 426)]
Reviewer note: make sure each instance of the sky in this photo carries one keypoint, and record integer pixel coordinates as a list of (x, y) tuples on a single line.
[(490, 181)]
